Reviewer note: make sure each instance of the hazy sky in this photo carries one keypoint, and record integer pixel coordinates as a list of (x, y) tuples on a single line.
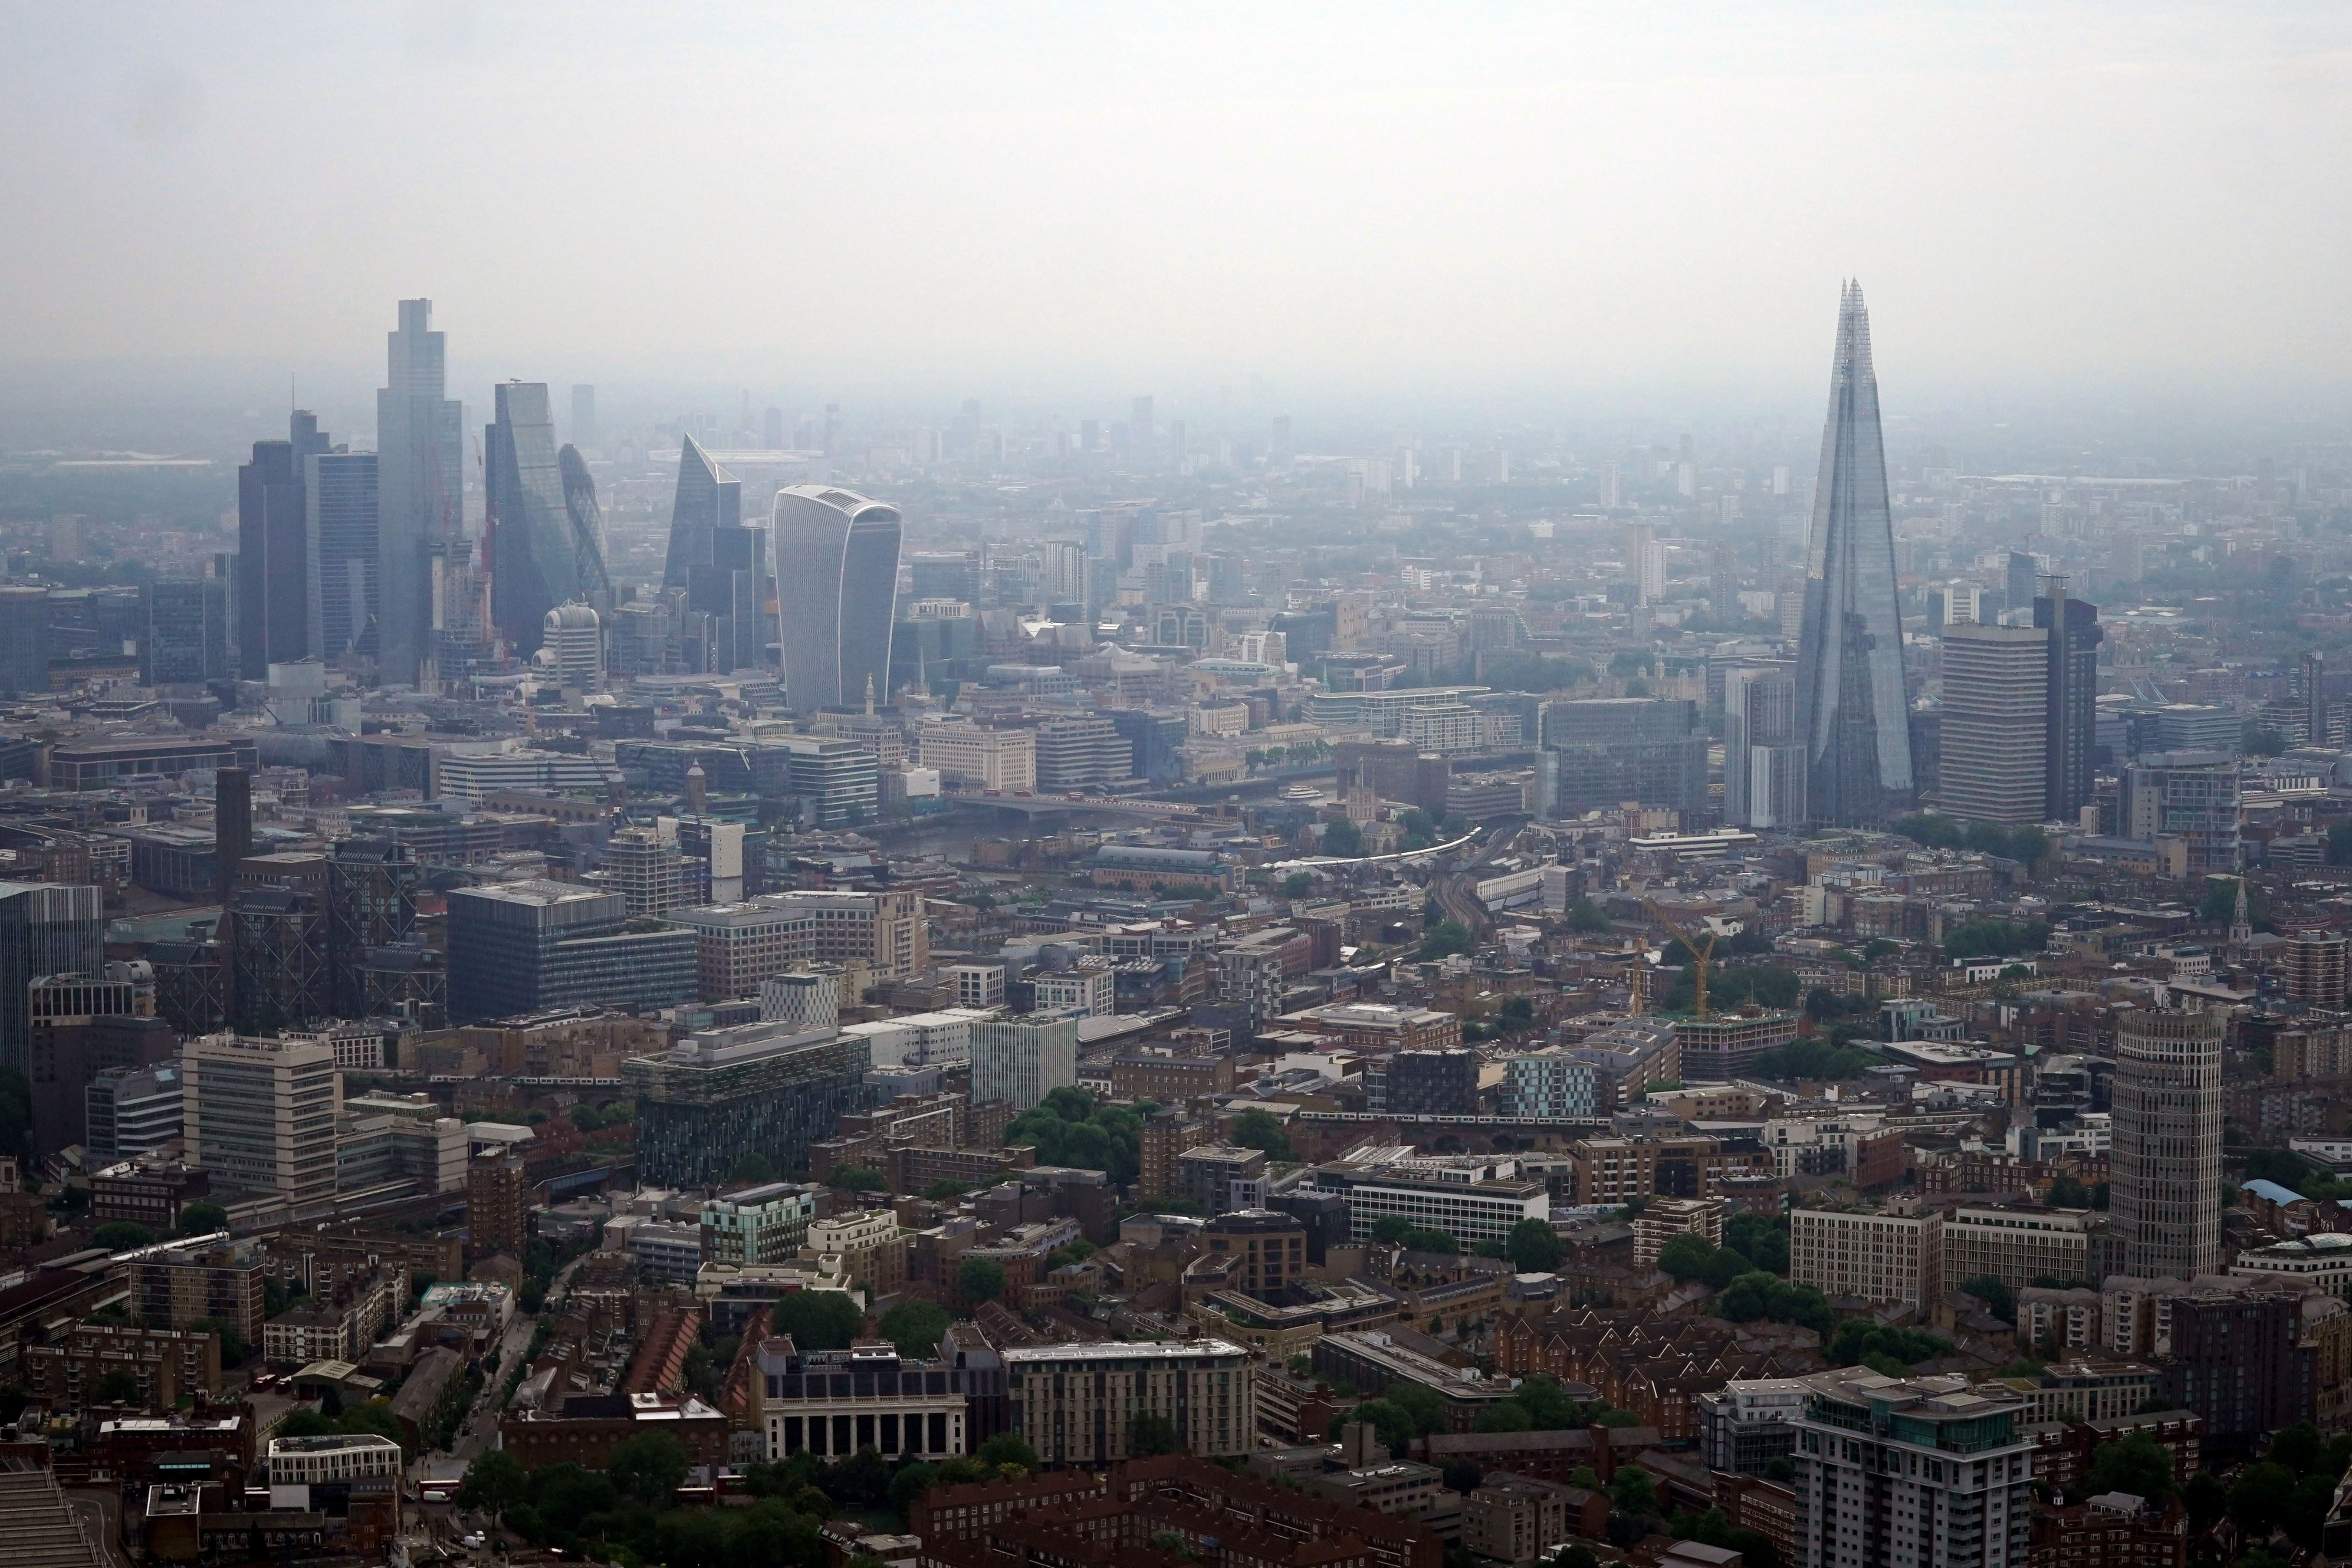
[(1445, 198)]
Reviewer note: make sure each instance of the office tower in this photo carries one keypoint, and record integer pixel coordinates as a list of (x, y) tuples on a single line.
[(1851, 703), (131, 1110), (643, 867), (1955, 603), (839, 781), (1020, 1060), (78, 1023), (1930, 1472), (45, 929), (755, 1089), (1723, 582), (2187, 799), (1142, 438), (1433, 1083), (340, 554), (837, 559), (2311, 682), (23, 639), (232, 823), (419, 498), (544, 530), (2020, 580), (2071, 716), (590, 580), (524, 947), (187, 640), (1996, 722), (273, 624), (584, 414), (260, 1116), (370, 903), (1763, 757), (575, 637), (2166, 1162), (1608, 750), (707, 498), (276, 924)]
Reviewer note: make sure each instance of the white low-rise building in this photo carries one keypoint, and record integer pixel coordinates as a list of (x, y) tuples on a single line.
[(335, 1456)]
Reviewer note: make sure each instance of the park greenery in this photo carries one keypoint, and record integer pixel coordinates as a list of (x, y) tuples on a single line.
[(626, 1513), (1997, 938), (1774, 990), (1255, 1128), (1447, 939), (1070, 1129), (1883, 1347)]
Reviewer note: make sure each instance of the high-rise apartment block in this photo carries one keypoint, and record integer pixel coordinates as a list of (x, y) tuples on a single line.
[(2071, 706), (498, 1202), (2188, 800), (2166, 1160), (1922, 1472), (1852, 707), (2311, 968), (1763, 755)]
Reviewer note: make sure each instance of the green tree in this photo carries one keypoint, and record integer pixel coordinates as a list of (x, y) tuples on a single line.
[(1518, 1012), (945, 1191), (1421, 1405), (1535, 1246), (980, 1279), (818, 1320), (915, 1327), (2261, 1497), (1575, 1556), (2137, 1466), (1859, 1337), (648, 1467), (1634, 1492), (121, 1235), (1761, 1238), (1447, 938), (202, 1220), (1151, 1433), (911, 1483), (232, 1348), (120, 1386), (1584, 915), (753, 1167), (1343, 839), (494, 1483), (1298, 884), (1255, 1128), (1005, 1448)]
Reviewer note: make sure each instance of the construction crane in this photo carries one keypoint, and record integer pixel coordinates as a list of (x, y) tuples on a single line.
[(1700, 956)]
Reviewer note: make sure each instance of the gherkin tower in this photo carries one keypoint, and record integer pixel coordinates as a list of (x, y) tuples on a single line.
[(1853, 709)]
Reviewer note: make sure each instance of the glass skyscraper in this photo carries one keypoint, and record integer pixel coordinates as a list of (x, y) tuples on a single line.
[(187, 640), (418, 433), (546, 549), (837, 589), (1853, 709), (340, 552), (708, 498), (45, 929)]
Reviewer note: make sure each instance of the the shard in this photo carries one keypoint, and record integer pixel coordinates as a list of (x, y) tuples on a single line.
[(1852, 707)]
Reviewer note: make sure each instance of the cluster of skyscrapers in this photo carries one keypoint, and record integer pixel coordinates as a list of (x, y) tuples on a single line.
[(347, 556)]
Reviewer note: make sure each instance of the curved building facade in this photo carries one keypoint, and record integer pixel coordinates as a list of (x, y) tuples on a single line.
[(836, 558), (544, 533), (2166, 1161)]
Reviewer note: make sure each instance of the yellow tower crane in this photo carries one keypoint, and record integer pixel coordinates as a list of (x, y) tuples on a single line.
[(1701, 956)]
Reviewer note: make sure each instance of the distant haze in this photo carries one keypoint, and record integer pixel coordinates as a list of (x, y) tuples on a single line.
[(1440, 201)]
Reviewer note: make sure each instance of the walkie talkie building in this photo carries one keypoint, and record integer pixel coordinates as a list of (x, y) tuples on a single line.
[(836, 588), (1853, 709)]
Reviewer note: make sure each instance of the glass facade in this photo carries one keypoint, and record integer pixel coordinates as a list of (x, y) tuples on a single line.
[(535, 566), (341, 553), (837, 585), (419, 480), (699, 1110), (522, 947), (187, 640), (708, 498), (45, 929), (1851, 705)]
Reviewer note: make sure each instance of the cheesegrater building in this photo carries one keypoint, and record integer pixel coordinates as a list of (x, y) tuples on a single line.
[(1852, 710)]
